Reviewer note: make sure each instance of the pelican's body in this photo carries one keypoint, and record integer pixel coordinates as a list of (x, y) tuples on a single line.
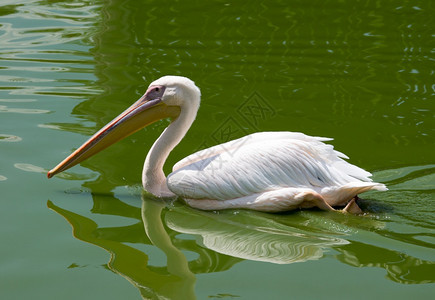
[(268, 171)]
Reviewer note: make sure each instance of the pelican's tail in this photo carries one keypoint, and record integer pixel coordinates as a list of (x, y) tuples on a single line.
[(340, 195)]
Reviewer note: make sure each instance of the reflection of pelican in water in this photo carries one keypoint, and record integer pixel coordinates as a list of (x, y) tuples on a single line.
[(175, 281), (268, 171), (176, 261), (252, 236), (263, 240), (243, 235)]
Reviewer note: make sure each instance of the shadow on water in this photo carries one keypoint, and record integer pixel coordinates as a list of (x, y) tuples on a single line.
[(220, 240)]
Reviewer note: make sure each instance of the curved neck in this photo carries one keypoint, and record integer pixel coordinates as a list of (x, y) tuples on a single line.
[(153, 177)]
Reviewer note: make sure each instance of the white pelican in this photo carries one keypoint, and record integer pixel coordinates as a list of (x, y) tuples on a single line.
[(267, 171)]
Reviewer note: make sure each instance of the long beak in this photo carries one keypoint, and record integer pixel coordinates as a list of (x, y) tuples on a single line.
[(142, 113)]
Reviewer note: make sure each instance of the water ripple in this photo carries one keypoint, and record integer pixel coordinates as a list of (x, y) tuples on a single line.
[(17, 100), (30, 168), (4, 108), (65, 175), (58, 22), (9, 138), (43, 47)]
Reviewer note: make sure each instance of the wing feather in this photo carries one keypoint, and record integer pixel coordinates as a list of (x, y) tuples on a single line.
[(235, 145)]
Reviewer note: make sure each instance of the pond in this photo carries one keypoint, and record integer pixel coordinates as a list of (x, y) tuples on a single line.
[(360, 72)]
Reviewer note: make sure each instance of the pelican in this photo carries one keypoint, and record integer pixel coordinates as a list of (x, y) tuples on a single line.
[(265, 171)]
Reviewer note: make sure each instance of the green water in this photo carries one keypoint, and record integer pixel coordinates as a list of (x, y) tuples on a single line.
[(361, 72)]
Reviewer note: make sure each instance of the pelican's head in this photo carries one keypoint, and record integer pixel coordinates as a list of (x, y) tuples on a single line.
[(166, 97), (175, 91)]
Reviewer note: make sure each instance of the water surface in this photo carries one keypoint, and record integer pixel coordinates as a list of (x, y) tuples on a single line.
[(360, 72)]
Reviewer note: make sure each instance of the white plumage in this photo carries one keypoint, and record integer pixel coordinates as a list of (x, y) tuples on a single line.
[(267, 171)]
